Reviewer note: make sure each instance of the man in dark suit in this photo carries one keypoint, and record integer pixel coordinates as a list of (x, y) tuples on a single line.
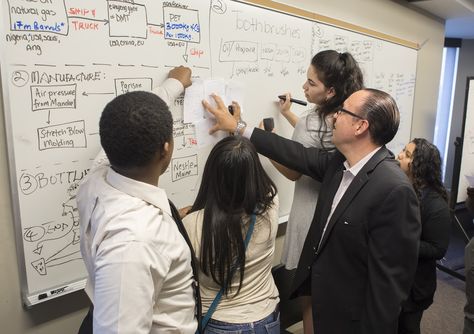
[(360, 255)]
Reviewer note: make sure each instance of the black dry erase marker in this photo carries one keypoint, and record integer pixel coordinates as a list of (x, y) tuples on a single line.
[(268, 124), (283, 97), (231, 110)]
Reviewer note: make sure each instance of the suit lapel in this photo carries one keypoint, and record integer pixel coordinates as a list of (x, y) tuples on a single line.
[(354, 188), (346, 199), (328, 187)]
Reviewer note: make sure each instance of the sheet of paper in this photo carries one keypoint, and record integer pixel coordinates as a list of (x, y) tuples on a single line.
[(234, 92), (193, 111), (213, 86), (202, 133)]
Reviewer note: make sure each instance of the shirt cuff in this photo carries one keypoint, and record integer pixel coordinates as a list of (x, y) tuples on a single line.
[(169, 90)]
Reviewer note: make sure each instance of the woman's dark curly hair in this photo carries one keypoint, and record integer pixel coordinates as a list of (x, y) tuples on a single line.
[(425, 168), (341, 72)]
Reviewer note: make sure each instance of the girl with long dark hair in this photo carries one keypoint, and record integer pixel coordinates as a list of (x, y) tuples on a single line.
[(235, 187)]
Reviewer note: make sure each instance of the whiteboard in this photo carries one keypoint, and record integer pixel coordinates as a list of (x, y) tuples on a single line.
[(467, 157), (63, 60)]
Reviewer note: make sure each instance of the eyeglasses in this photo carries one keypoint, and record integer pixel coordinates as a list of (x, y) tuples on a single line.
[(349, 113)]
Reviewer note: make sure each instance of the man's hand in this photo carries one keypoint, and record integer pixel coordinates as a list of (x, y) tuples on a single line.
[(182, 74), (224, 120)]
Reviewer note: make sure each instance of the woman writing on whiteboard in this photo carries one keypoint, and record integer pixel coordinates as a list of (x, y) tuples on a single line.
[(421, 161), (331, 78), (232, 227)]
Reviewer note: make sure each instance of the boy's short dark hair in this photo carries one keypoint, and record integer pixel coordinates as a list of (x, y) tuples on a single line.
[(133, 127)]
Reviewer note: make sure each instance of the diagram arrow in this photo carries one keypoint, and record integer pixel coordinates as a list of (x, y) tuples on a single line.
[(185, 55), (88, 93), (161, 25), (38, 250), (49, 117), (90, 19)]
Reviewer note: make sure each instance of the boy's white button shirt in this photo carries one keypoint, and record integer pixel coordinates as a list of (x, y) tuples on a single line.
[(139, 265)]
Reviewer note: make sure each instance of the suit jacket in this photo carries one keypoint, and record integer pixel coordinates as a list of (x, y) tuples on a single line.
[(366, 262)]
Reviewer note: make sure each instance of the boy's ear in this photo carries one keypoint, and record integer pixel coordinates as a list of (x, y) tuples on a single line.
[(167, 149)]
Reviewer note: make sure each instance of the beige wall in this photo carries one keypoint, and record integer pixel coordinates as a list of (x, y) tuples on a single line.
[(64, 314)]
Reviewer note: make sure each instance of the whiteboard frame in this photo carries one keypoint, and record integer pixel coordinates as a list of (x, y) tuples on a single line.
[(30, 300), (290, 10), (13, 180)]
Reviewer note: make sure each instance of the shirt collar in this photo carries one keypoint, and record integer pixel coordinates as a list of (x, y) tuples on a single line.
[(361, 163), (144, 191)]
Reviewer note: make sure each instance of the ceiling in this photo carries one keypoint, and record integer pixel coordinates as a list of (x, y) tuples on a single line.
[(459, 15)]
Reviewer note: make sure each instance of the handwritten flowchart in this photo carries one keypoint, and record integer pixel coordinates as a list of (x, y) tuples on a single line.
[(64, 60)]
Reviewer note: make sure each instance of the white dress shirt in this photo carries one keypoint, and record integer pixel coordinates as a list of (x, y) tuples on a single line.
[(348, 176), (139, 265)]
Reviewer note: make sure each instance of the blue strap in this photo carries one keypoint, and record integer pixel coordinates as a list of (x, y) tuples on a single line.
[(218, 297)]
